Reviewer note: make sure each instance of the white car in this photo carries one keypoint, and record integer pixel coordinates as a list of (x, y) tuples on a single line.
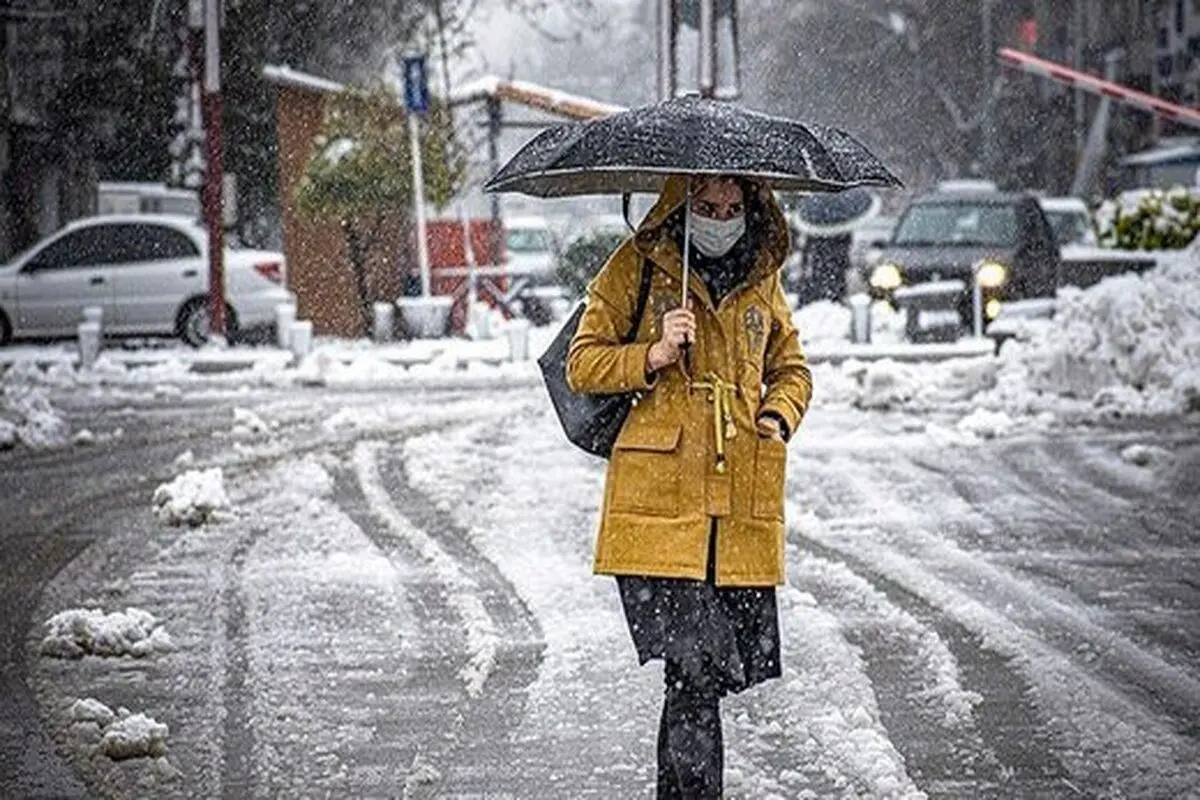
[(530, 246), (149, 274)]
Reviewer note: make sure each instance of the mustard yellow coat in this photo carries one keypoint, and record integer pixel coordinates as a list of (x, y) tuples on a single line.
[(664, 480)]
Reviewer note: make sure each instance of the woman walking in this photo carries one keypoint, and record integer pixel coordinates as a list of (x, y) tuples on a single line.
[(692, 520)]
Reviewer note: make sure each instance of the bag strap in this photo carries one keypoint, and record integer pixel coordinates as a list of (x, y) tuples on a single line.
[(643, 296)]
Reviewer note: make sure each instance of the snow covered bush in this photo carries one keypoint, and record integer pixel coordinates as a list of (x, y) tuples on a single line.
[(88, 631), (194, 498), (1150, 220)]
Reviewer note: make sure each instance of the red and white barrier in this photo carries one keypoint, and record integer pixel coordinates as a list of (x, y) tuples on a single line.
[(1090, 83)]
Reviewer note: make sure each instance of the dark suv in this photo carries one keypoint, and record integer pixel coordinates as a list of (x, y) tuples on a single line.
[(948, 242)]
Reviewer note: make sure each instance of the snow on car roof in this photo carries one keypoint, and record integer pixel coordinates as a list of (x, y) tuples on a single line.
[(1063, 204), (539, 223), (174, 220)]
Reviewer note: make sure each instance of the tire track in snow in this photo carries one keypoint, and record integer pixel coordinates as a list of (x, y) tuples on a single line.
[(1001, 751), (237, 741), (475, 594), (463, 593)]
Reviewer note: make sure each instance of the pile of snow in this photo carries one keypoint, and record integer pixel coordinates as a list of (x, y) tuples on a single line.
[(247, 423), (887, 384), (822, 321), (121, 734), (1130, 344), (986, 424), (826, 321), (194, 498), (27, 417), (1145, 455), (88, 631)]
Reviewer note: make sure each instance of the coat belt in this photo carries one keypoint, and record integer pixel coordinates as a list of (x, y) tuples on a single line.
[(720, 394)]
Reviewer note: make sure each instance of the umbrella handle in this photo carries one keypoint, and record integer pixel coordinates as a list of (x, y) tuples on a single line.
[(687, 248)]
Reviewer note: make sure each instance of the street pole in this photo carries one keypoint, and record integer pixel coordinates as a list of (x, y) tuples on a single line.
[(495, 113), (1077, 62), (212, 172), (414, 136), (987, 124), (708, 49), (666, 49)]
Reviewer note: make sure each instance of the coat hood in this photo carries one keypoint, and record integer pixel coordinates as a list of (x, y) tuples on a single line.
[(652, 240)]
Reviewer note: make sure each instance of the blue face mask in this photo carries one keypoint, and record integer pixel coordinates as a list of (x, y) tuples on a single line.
[(716, 237)]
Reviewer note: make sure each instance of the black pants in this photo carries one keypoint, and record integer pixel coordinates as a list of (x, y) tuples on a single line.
[(691, 751)]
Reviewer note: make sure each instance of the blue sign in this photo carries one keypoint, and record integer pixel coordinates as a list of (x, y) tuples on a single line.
[(416, 85)]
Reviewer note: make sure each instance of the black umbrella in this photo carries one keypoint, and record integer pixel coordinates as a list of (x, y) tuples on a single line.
[(826, 214), (636, 150)]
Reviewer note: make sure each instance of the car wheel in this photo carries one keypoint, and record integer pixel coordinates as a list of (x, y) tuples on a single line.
[(6, 332), (192, 323)]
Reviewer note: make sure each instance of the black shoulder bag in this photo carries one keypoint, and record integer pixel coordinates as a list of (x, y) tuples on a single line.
[(590, 421)]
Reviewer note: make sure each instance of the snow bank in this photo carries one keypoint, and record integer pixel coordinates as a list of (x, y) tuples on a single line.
[(1130, 344), (27, 417), (121, 735), (194, 498), (823, 320), (88, 631)]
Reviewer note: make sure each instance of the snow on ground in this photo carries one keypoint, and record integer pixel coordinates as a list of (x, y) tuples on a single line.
[(463, 593), (819, 726), (193, 498), (88, 631)]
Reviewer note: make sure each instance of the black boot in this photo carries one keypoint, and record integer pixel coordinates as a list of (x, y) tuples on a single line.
[(691, 751)]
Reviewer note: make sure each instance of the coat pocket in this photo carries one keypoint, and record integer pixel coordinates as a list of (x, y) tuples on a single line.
[(645, 470), (769, 473)]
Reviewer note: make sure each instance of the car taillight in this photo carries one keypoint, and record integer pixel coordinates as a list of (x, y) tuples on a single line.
[(271, 270)]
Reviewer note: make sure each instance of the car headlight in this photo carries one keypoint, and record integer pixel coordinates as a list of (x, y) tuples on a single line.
[(991, 274), (886, 277), (992, 309)]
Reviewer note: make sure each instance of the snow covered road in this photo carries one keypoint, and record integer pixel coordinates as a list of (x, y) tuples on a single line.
[(398, 602)]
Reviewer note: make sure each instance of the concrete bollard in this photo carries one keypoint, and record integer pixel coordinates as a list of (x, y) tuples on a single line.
[(517, 331), (285, 318), (94, 314), (384, 322), (300, 338), (860, 318), (89, 343)]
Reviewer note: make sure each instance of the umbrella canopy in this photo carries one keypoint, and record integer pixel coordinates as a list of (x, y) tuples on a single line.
[(636, 150), (834, 214)]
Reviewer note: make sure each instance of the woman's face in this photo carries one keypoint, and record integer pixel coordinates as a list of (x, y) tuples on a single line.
[(719, 198)]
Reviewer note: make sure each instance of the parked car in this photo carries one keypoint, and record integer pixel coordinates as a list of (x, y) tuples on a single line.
[(532, 256), (531, 249), (946, 242), (149, 274), (1070, 219)]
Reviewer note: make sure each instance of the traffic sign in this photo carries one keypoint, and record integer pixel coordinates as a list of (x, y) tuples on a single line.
[(416, 85)]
